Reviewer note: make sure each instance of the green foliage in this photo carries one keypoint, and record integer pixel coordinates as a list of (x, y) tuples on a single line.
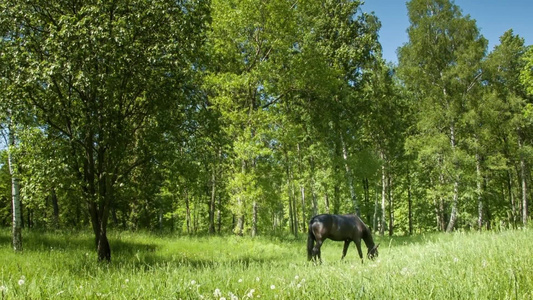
[(250, 116)]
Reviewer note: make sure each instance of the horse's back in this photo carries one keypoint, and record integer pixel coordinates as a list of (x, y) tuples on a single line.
[(335, 227)]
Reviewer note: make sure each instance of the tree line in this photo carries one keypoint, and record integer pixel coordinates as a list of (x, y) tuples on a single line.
[(250, 117)]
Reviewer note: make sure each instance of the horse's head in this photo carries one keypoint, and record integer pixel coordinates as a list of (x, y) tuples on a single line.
[(373, 253)]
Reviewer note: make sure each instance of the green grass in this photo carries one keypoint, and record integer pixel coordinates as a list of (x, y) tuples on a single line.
[(491, 265)]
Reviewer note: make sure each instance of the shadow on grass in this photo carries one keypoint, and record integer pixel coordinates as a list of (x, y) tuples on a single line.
[(71, 241), (153, 261)]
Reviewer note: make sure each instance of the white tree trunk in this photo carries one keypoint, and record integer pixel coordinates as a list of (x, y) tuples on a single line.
[(15, 193), (479, 192), (383, 222), (523, 183), (453, 215), (349, 174)]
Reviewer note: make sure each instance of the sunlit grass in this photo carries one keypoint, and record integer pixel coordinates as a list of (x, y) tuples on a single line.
[(492, 265)]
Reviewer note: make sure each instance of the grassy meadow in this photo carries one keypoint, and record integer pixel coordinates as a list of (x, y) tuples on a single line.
[(489, 265)]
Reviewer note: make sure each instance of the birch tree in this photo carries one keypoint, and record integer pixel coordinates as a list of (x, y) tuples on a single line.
[(441, 65)]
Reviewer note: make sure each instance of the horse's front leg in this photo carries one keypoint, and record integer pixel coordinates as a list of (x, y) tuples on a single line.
[(358, 245), (346, 244)]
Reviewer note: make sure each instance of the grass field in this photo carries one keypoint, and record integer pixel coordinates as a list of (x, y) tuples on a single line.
[(489, 265)]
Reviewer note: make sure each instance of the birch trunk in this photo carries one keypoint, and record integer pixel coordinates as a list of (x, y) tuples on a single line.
[(350, 179), (15, 193), (383, 200), (455, 200), (523, 184), (479, 191), (254, 219), (213, 201)]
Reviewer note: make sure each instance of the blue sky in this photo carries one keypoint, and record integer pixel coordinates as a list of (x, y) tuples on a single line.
[(493, 18)]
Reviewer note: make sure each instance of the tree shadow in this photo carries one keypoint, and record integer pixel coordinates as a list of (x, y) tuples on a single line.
[(5, 240)]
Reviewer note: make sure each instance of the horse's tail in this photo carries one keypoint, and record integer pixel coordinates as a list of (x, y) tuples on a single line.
[(310, 241)]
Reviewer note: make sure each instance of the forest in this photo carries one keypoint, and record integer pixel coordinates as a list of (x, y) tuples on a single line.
[(249, 117)]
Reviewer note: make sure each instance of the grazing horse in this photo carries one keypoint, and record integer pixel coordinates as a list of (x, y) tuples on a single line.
[(345, 228)]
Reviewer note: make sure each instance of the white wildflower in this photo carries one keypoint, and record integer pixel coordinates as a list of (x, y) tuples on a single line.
[(257, 279), (217, 293), (59, 293), (3, 288), (272, 287), (21, 281), (455, 260), (240, 280), (250, 293), (193, 282), (296, 277)]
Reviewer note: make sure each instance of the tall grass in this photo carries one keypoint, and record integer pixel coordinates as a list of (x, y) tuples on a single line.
[(491, 265)]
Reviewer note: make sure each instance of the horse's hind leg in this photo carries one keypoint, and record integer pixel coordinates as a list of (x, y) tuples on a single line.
[(316, 250), (310, 246), (346, 244)]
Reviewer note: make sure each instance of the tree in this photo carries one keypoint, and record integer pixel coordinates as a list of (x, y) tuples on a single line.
[(526, 155), (8, 116), (505, 102), (15, 187), (107, 80), (441, 64)]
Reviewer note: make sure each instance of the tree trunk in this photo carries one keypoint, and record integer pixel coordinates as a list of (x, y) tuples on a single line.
[(213, 201), (523, 175), (304, 217), (366, 191), (103, 250), (376, 209), (219, 214), (349, 177), (409, 203), (254, 219), (511, 199), (239, 228), (105, 194), (455, 200), (289, 194), (15, 190), (159, 214), (383, 196), (55, 207), (291, 218), (313, 192), (479, 192), (326, 201), (315, 200), (99, 223), (294, 209), (439, 207), (302, 188), (336, 199), (391, 206), (187, 211)]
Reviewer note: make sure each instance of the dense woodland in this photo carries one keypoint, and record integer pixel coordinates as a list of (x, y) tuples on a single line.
[(251, 116)]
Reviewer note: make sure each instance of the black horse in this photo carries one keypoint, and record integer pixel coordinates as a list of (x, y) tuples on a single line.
[(345, 228)]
